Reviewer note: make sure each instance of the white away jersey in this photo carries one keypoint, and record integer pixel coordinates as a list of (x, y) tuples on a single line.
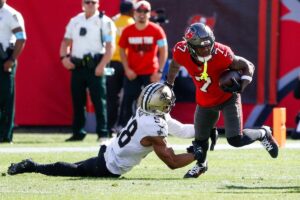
[(125, 151)]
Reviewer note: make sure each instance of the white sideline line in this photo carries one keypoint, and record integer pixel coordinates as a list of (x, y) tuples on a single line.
[(96, 148)]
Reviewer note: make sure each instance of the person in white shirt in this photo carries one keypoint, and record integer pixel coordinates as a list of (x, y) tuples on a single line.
[(145, 132), (12, 41), (86, 49)]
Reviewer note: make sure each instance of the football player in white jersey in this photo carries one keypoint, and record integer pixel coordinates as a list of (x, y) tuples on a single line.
[(145, 132)]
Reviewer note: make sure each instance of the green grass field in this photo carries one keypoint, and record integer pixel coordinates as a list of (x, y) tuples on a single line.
[(232, 174)]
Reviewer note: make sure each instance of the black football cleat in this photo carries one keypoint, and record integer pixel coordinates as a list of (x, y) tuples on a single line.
[(76, 138), (197, 170), (269, 143), (27, 165), (5, 140)]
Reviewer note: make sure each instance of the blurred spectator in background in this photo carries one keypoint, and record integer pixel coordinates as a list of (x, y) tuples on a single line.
[(159, 16), (91, 35), (139, 45), (12, 41), (114, 83)]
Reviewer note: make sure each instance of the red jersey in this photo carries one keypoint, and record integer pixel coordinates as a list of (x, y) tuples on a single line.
[(208, 93), (142, 47)]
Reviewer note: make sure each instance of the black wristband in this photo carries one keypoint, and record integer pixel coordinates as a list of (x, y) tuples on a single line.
[(66, 56)]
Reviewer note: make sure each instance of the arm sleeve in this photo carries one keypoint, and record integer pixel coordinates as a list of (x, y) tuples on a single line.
[(16, 20), (161, 39), (69, 30), (109, 30), (180, 130)]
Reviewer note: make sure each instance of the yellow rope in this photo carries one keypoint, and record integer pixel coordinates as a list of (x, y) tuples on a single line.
[(204, 74)]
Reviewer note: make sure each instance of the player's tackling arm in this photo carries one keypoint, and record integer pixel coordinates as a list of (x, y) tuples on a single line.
[(173, 70), (167, 154), (179, 129)]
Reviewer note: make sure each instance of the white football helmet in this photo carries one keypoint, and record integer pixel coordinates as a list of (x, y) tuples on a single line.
[(157, 98)]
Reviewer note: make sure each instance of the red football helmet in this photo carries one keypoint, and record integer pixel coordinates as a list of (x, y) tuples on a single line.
[(200, 41)]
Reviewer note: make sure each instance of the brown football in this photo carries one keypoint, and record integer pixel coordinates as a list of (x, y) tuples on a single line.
[(226, 78)]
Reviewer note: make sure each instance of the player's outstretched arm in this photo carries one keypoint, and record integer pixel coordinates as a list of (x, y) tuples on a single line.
[(167, 155), (173, 70), (179, 129)]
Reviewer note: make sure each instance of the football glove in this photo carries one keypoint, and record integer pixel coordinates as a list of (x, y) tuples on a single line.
[(169, 85), (190, 149), (235, 88)]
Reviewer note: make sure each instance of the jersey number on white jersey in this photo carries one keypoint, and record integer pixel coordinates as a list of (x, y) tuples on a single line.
[(126, 134)]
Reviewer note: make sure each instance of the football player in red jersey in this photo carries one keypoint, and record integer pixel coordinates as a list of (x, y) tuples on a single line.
[(205, 60)]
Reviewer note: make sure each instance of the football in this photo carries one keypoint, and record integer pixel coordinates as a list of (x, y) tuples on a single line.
[(226, 78)]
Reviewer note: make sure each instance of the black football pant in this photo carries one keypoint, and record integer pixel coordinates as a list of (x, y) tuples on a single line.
[(92, 167), (7, 100), (114, 84), (206, 118), (132, 90)]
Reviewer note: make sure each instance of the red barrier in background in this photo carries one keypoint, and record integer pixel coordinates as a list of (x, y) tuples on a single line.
[(42, 84)]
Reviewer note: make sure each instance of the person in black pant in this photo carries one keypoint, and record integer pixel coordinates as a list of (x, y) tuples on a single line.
[(114, 83), (144, 52), (12, 41), (87, 48)]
